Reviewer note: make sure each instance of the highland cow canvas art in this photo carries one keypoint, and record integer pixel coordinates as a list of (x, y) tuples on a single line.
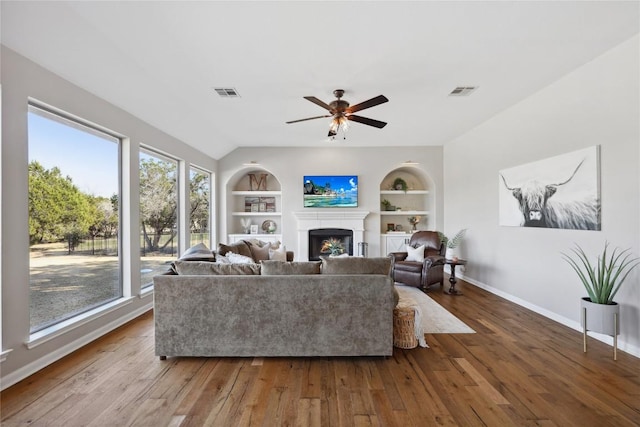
[(558, 192)]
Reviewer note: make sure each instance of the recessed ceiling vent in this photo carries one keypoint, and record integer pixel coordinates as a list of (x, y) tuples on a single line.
[(463, 90), (227, 92)]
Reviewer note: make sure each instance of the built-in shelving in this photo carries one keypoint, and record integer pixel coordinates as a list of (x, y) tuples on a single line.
[(258, 206)]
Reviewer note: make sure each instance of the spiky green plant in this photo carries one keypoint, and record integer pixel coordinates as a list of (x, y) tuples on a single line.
[(454, 241), (603, 279)]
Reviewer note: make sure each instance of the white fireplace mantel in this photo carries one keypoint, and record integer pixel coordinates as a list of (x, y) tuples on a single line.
[(311, 220)]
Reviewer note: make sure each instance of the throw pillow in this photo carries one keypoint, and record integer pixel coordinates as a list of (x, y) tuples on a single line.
[(280, 268), (241, 248), (356, 265), (259, 253), (238, 259), (279, 254), (199, 268), (415, 254), (199, 252)]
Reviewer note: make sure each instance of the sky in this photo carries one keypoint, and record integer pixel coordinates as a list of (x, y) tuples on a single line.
[(90, 161)]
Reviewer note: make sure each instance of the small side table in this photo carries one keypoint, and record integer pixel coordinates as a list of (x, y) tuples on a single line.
[(452, 279)]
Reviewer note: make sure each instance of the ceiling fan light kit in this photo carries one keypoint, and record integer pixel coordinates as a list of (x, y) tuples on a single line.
[(341, 113)]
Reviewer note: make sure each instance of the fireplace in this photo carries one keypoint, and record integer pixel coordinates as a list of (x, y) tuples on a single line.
[(351, 220), (318, 236)]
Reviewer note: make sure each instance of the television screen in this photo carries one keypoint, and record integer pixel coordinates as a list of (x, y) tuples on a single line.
[(330, 191)]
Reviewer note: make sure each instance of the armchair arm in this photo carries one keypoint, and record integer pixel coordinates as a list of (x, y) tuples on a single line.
[(431, 261), (398, 256)]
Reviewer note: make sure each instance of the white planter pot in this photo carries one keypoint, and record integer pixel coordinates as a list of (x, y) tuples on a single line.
[(601, 318), (450, 253)]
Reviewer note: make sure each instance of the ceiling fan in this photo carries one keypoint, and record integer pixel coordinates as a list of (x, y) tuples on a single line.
[(342, 112)]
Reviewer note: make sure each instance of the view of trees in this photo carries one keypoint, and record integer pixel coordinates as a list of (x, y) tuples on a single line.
[(59, 211)]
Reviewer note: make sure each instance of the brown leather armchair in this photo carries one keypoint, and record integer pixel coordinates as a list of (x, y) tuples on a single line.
[(425, 273)]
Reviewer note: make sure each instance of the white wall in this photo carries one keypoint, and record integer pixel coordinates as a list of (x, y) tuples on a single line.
[(22, 79), (290, 164), (597, 104)]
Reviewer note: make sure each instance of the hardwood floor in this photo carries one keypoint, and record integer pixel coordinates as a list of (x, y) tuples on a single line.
[(518, 369)]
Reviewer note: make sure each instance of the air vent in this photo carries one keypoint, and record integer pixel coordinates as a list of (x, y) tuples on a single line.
[(227, 92), (463, 90)]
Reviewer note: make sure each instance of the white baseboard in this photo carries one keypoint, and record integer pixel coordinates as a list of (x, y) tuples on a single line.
[(622, 345), (36, 365)]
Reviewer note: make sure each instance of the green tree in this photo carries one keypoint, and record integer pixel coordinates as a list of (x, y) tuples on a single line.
[(57, 209), (158, 202), (199, 193)]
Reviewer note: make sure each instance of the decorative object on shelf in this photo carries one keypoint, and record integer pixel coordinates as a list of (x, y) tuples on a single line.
[(249, 203), (254, 229), (452, 243), (246, 225), (399, 227), (258, 182), (391, 227), (269, 226), (385, 204), (332, 246), (414, 220), (400, 184), (601, 280)]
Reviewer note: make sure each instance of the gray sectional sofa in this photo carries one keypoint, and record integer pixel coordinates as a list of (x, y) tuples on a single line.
[(343, 307)]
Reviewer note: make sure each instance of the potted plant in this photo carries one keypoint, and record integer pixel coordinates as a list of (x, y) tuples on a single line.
[(400, 184), (333, 246), (602, 280), (451, 243)]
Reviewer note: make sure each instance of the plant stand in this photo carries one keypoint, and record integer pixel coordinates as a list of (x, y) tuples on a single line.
[(603, 319)]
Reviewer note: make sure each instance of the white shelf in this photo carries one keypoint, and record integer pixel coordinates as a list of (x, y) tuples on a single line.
[(256, 213), (257, 193), (404, 192), (403, 213)]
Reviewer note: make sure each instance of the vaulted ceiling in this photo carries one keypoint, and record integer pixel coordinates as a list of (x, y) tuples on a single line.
[(161, 60)]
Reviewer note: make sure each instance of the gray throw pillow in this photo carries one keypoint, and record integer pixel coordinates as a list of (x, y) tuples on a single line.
[(287, 268), (199, 252), (200, 268), (260, 253), (356, 265)]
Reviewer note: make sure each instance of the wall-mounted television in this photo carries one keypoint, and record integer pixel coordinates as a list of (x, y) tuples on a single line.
[(330, 191)]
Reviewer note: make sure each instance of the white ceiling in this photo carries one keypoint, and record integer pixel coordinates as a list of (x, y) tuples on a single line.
[(160, 61)]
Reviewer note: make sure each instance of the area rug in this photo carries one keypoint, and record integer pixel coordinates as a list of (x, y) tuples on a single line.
[(435, 319)]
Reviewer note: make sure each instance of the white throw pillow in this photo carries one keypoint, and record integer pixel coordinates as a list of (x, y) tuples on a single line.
[(238, 259), (279, 254), (415, 254)]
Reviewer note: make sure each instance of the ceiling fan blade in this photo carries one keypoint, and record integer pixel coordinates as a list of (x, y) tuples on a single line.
[(318, 102), (367, 121), (380, 99), (309, 118)]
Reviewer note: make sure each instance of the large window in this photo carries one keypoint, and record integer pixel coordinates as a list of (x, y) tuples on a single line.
[(158, 214), (73, 218), (200, 206)]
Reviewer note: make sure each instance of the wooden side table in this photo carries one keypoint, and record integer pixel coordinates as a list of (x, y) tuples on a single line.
[(452, 278)]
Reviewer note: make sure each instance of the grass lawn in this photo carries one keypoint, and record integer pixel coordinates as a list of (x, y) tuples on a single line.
[(63, 284)]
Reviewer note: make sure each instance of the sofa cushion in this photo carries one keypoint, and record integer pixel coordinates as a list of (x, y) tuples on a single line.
[(260, 253), (241, 248), (356, 265), (280, 268), (199, 252), (202, 268)]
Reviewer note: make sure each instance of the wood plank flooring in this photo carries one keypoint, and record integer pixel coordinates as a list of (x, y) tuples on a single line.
[(519, 369)]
